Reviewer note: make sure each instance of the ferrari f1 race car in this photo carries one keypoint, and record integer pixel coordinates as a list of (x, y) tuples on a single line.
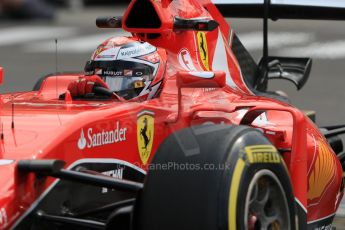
[(215, 149)]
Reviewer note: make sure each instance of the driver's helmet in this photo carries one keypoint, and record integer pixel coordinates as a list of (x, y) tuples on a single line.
[(131, 68)]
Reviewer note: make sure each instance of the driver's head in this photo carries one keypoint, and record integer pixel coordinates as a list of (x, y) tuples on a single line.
[(130, 67)]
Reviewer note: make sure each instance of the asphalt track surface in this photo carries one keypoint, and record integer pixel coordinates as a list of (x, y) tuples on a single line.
[(27, 52)]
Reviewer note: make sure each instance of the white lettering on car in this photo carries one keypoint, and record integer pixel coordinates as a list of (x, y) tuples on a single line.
[(325, 227), (106, 137), (117, 174)]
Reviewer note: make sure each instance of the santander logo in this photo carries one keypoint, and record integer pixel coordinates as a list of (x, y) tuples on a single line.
[(105, 137), (82, 140)]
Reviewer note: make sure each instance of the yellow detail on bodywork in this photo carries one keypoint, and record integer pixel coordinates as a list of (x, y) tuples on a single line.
[(322, 173), (203, 49), (145, 135)]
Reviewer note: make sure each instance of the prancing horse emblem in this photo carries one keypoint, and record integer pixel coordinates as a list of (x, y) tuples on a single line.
[(145, 134), (202, 46), (203, 49)]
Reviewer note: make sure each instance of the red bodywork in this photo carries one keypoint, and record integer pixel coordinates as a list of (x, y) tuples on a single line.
[(48, 128)]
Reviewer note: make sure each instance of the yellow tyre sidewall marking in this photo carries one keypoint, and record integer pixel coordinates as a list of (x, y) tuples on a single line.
[(236, 179), (235, 185)]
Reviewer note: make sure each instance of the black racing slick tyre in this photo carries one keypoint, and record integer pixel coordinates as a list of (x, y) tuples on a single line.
[(216, 177)]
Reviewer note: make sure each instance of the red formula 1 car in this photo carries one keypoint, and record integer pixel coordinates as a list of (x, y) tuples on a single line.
[(214, 150)]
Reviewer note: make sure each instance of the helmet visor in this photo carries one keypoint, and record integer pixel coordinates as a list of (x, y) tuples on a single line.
[(126, 87), (127, 79)]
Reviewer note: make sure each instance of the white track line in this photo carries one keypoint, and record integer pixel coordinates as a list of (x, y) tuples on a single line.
[(329, 50), (20, 35), (254, 41), (82, 44)]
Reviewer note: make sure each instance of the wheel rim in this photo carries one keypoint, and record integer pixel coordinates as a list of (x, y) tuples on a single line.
[(266, 205)]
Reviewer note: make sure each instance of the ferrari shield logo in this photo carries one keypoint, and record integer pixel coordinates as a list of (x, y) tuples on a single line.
[(203, 49), (145, 133)]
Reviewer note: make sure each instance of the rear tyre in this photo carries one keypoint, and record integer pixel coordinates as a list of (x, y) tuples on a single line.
[(216, 177)]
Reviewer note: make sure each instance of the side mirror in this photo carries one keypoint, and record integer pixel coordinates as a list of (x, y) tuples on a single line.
[(1, 75), (215, 79), (296, 70)]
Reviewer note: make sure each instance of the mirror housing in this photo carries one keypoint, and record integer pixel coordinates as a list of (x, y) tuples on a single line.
[(1, 75), (216, 79), (296, 70)]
